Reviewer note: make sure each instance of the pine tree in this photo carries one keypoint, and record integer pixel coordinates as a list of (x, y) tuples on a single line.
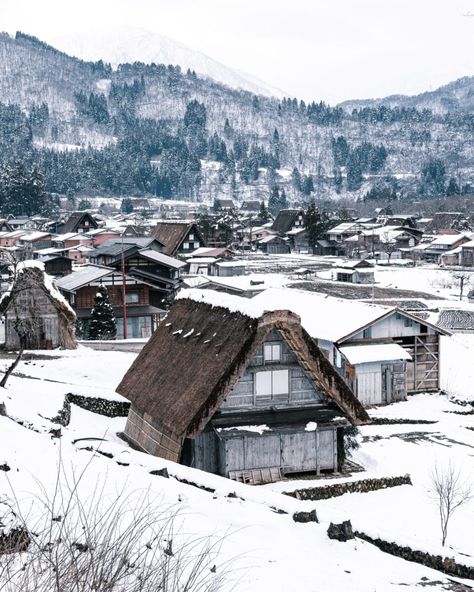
[(102, 324), (274, 201), (453, 188), (312, 221), (263, 214)]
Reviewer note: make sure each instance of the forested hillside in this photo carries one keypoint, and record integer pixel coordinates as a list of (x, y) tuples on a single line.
[(155, 129)]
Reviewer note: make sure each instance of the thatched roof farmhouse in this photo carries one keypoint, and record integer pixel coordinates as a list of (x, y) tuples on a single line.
[(237, 394)]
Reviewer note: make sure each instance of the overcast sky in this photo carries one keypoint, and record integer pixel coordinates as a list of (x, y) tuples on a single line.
[(313, 49)]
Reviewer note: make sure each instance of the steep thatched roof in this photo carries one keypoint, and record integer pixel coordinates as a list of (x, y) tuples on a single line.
[(285, 220), (193, 361), (172, 234), (29, 275)]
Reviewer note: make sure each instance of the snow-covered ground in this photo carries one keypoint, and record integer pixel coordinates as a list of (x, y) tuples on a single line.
[(269, 550)]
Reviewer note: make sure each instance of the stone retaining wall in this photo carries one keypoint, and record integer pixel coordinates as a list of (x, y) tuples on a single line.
[(106, 407), (337, 489), (446, 565)]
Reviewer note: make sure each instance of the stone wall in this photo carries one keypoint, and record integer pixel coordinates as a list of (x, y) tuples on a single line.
[(106, 407), (446, 565), (337, 489)]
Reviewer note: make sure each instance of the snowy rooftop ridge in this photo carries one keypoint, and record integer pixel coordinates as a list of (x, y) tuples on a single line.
[(323, 317), (232, 303)]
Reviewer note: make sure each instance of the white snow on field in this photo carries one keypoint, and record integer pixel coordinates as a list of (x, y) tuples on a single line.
[(439, 282), (270, 551)]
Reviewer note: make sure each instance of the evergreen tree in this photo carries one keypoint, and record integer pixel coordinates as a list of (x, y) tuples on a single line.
[(453, 188), (354, 173), (283, 200), (127, 206), (312, 221), (307, 185), (263, 214), (274, 201), (337, 179), (433, 175), (296, 179), (102, 323)]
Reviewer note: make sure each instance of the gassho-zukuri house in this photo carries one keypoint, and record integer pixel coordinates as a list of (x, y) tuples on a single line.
[(245, 395)]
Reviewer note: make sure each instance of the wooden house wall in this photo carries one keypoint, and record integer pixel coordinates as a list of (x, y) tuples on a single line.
[(376, 383), (394, 325), (292, 450), (300, 389)]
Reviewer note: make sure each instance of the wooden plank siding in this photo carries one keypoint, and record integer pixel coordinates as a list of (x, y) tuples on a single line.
[(423, 369), (300, 387)]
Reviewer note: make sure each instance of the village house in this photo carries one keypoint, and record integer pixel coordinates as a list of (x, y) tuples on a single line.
[(246, 396), (354, 272), (78, 222), (273, 244), (36, 314), (179, 238), (442, 244), (110, 252), (467, 254), (393, 352), (288, 220), (56, 265), (80, 288)]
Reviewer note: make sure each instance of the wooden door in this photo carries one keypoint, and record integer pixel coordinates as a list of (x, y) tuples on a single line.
[(327, 449), (299, 452)]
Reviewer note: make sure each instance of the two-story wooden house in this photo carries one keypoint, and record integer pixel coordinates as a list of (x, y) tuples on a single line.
[(179, 237), (246, 396), (80, 288)]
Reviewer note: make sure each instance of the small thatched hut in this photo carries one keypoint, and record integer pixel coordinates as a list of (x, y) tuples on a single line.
[(36, 314), (248, 397)]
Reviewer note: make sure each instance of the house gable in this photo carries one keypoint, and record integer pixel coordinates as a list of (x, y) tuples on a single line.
[(273, 376)]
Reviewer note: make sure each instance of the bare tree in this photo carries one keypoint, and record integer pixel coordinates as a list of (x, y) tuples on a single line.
[(388, 245), (462, 277), (89, 541), (449, 492)]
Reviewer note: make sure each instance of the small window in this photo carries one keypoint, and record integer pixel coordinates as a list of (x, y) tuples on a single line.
[(185, 246), (367, 334), (191, 237), (272, 352), (132, 297), (408, 322)]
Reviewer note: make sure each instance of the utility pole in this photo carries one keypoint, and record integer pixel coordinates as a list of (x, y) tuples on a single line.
[(124, 303)]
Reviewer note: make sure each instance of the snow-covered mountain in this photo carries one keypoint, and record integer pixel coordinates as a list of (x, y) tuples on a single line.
[(128, 45)]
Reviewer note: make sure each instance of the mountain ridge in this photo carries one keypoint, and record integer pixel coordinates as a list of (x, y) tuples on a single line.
[(133, 44)]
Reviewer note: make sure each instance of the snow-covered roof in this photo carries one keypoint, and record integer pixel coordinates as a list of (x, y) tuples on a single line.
[(83, 276), (323, 317), (447, 239), (379, 352), (231, 264), (33, 236), (161, 258)]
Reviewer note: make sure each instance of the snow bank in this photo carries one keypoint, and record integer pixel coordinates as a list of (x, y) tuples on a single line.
[(457, 367)]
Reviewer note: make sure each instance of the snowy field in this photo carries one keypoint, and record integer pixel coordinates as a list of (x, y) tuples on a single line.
[(267, 549)]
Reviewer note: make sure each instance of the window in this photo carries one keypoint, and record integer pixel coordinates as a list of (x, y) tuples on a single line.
[(185, 246), (191, 237), (272, 352), (408, 322), (132, 298), (367, 334), (271, 384)]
